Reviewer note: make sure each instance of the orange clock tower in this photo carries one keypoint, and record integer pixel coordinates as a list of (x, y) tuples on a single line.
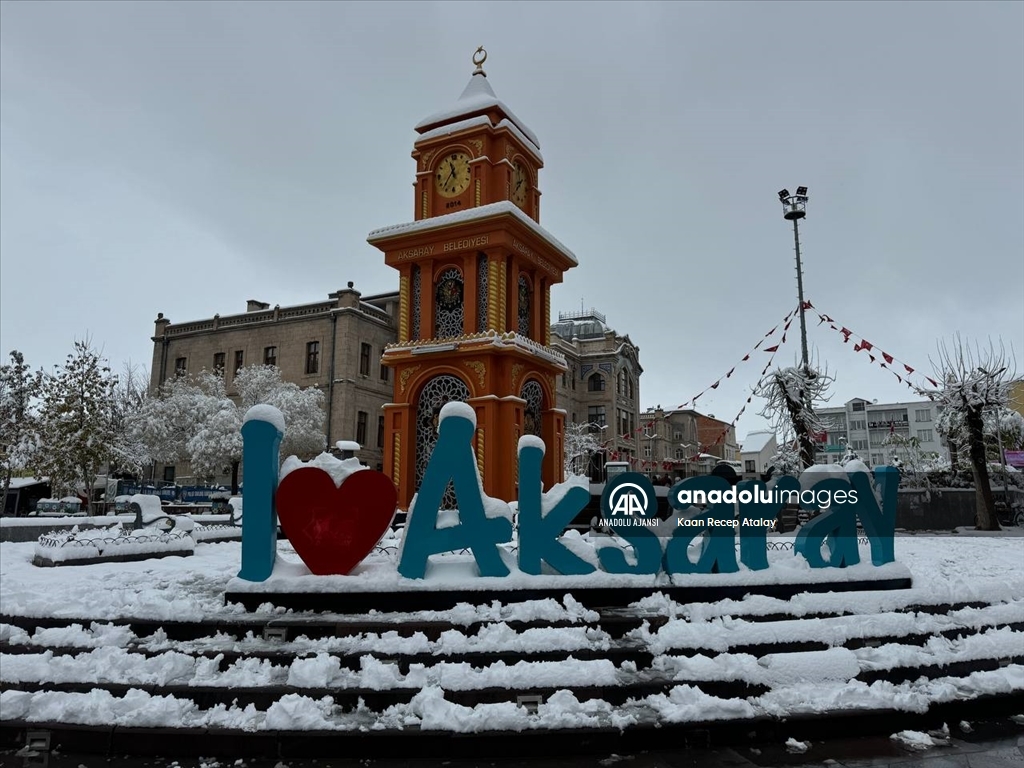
[(475, 275)]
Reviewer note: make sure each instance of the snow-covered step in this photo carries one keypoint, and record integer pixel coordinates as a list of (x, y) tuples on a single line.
[(735, 635)]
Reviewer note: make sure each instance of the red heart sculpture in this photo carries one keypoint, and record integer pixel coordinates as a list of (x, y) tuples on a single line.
[(332, 528)]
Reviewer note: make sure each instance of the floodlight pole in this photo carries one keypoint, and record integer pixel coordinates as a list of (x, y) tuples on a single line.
[(794, 208)]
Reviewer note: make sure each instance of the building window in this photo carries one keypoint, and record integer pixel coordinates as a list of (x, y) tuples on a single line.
[(925, 435), (361, 428), (181, 366), (620, 383), (596, 416), (858, 406), (385, 372), (647, 451), (573, 377), (923, 415), (169, 474), (624, 424), (750, 466), (525, 299), (270, 355), (859, 445), (858, 423), (364, 359), (239, 360), (218, 361), (595, 383), (380, 431), (313, 357)]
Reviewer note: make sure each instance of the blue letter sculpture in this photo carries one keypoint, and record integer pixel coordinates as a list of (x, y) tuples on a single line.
[(452, 459), (538, 533), (718, 548), (261, 443)]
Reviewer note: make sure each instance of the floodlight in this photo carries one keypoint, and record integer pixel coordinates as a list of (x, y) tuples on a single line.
[(802, 191), (783, 194)]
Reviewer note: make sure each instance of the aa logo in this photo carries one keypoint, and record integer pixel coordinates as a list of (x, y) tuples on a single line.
[(630, 496)]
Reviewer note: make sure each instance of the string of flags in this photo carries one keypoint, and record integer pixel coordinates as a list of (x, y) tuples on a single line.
[(786, 321), (897, 367), (901, 370), (773, 349)]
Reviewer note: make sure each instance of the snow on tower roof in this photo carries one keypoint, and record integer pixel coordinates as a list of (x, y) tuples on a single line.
[(471, 214), (477, 99)]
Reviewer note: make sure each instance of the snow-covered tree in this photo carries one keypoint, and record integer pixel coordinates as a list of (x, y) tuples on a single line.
[(975, 382), (580, 444), (303, 409), (19, 388), (792, 395), (76, 424), (129, 453), (786, 460), (1005, 427), (193, 419), (168, 420)]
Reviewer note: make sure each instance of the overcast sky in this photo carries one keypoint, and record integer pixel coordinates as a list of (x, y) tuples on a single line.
[(184, 157)]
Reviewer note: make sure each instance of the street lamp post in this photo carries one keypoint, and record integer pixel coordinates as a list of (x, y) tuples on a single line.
[(794, 208)]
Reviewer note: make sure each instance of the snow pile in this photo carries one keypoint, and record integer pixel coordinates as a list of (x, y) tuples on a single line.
[(66, 546), (337, 468)]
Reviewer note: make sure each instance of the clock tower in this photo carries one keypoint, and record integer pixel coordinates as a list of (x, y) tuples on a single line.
[(475, 275)]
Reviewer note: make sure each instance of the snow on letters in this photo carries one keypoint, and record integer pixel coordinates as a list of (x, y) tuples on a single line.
[(481, 525)]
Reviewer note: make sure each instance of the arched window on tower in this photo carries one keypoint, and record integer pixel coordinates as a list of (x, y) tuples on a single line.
[(525, 301), (449, 315), (620, 383), (595, 383)]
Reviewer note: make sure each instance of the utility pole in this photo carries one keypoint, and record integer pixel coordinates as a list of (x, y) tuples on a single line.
[(794, 208)]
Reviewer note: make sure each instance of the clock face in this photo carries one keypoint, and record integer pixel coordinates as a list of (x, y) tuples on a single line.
[(449, 293), (520, 184), (452, 175)]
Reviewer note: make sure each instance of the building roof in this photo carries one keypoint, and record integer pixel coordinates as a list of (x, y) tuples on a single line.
[(492, 210), (755, 442), (586, 324), (477, 98)]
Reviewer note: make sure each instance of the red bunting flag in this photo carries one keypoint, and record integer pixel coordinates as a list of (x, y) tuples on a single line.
[(846, 334), (783, 339), (909, 369), (888, 357), (872, 358), (808, 305), (771, 331), (745, 358), (772, 349), (729, 373), (865, 344), (898, 377), (715, 385), (933, 382)]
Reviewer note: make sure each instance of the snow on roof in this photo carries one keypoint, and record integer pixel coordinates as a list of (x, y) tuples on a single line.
[(473, 122), (477, 97), (471, 214), (25, 482), (755, 442)]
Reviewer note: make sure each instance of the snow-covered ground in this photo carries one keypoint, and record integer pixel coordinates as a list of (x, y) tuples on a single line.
[(690, 644)]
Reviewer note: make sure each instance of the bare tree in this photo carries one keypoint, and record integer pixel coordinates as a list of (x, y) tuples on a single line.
[(580, 444), (792, 395), (975, 382)]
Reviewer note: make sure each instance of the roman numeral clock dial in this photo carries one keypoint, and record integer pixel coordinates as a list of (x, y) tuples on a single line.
[(452, 176)]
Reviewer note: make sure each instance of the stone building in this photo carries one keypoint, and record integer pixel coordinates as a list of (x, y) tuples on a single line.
[(335, 345), (669, 444), (601, 385)]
